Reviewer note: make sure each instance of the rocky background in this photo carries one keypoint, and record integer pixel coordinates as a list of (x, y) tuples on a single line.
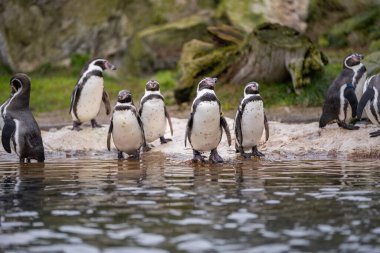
[(237, 41)]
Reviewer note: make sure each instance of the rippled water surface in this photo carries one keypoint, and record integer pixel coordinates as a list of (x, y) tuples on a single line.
[(163, 205)]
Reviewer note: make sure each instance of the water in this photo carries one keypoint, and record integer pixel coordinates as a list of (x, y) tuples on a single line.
[(165, 205)]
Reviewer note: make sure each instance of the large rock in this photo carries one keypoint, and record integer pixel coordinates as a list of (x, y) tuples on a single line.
[(248, 14), (271, 53)]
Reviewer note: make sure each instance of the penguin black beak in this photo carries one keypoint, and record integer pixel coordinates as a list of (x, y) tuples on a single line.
[(110, 66)]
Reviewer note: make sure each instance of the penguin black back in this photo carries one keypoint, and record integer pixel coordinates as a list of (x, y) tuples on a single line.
[(20, 128)]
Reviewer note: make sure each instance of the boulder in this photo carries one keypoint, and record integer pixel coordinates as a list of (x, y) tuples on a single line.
[(271, 53)]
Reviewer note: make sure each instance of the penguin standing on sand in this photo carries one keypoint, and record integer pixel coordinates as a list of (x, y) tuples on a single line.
[(89, 93), (153, 113), (341, 102), (204, 127), (21, 132), (370, 102), (126, 127), (250, 122)]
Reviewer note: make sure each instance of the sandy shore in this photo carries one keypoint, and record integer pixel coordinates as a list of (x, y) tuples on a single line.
[(287, 142)]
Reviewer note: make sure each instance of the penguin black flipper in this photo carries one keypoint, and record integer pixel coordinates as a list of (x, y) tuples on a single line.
[(238, 132), (7, 133), (110, 129), (349, 94), (169, 120), (74, 99), (367, 96), (223, 123), (266, 126), (106, 101), (189, 127)]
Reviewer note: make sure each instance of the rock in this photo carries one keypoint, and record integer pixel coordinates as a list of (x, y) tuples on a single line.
[(159, 47), (248, 14), (286, 142), (271, 53)]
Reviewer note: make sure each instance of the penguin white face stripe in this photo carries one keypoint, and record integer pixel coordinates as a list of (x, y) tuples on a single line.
[(91, 67), (356, 71), (10, 101)]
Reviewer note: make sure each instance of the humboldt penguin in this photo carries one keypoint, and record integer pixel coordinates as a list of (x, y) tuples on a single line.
[(2, 109), (154, 113), (204, 127), (370, 102), (89, 93), (21, 132), (126, 127), (341, 102), (250, 122)]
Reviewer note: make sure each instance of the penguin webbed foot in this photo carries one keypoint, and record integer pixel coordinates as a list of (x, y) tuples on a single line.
[(256, 152), (344, 125), (95, 124), (197, 157), (120, 155), (135, 156), (76, 126), (374, 134), (163, 140), (147, 147), (242, 153), (215, 157)]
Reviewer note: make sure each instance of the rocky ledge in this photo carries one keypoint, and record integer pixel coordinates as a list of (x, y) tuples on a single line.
[(286, 142)]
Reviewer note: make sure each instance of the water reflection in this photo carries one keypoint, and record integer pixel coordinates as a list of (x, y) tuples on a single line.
[(163, 205)]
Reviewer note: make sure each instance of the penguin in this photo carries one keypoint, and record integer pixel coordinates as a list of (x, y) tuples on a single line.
[(154, 113), (21, 132), (2, 109), (204, 126), (370, 102), (341, 102), (89, 92), (250, 122), (126, 127)]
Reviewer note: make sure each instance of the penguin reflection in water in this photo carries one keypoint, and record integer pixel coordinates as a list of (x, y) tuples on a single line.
[(250, 122), (126, 127), (21, 132), (153, 114), (341, 102), (89, 93), (370, 102), (204, 127)]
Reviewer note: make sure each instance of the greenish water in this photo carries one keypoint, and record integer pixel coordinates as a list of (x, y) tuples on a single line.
[(166, 205)]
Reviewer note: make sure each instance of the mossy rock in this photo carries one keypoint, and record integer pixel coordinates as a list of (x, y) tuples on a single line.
[(271, 53), (159, 47)]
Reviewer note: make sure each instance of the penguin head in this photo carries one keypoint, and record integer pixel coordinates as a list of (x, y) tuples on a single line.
[(125, 96), (20, 85), (102, 63), (251, 88), (152, 85), (207, 83), (352, 60)]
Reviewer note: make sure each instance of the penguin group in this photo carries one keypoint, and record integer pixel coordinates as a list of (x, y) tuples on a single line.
[(352, 96), (133, 129)]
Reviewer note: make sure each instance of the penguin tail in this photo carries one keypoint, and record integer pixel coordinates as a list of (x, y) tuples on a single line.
[(367, 95), (325, 119)]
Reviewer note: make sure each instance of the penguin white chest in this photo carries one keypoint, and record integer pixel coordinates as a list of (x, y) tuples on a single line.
[(206, 132), (126, 134), (252, 123), (90, 99), (153, 118)]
